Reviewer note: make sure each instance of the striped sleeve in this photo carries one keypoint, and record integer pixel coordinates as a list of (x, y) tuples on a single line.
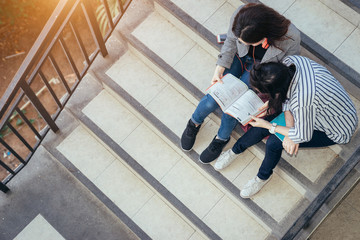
[(286, 105), (317, 101), (304, 118), (302, 104)]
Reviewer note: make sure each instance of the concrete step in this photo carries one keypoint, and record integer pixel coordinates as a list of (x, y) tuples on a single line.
[(185, 67), (348, 9), (47, 202), (315, 175), (354, 6), (162, 170), (111, 178), (172, 109), (130, 134), (165, 108), (198, 75)]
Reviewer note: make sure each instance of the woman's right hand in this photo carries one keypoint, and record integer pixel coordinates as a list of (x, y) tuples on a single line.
[(218, 74), (263, 109)]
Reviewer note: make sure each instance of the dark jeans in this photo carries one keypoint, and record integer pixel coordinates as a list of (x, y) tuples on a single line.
[(208, 105), (274, 146)]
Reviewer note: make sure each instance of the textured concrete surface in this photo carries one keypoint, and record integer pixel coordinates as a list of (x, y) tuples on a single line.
[(47, 188), (344, 221)]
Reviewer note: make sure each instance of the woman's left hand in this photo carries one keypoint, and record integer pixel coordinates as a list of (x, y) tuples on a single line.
[(290, 147), (259, 122)]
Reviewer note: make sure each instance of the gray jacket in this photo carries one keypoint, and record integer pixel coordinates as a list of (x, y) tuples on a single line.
[(290, 46)]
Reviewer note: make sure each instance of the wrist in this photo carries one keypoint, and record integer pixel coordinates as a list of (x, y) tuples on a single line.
[(220, 69), (272, 129)]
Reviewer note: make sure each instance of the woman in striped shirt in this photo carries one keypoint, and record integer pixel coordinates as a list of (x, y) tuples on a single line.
[(318, 113), (257, 34)]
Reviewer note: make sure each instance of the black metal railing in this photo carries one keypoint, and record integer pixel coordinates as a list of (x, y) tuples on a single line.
[(51, 71)]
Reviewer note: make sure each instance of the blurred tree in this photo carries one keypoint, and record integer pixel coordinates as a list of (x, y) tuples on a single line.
[(10, 10)]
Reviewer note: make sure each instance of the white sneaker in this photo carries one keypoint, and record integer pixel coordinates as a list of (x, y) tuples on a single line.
[(252, 187), (225, 159)]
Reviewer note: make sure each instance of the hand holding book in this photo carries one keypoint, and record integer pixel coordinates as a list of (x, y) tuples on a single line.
[(218, 75), (236, 99), (263, 109)]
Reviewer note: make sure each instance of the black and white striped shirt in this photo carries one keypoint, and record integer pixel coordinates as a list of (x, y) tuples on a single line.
[(317, 101)]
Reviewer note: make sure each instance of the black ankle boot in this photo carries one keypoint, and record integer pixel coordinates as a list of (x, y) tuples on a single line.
[(213, 151), (189, 135)]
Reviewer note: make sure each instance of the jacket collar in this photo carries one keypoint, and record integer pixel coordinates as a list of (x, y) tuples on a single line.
[(270, 53)]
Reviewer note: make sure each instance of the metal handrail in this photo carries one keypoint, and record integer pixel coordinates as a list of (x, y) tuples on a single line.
[(32, 67), (48, 33)]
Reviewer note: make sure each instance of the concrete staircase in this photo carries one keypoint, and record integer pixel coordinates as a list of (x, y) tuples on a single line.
[(120, 131)]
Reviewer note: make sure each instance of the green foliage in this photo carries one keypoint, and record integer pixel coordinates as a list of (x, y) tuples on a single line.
[(19, 122), (11, 10), (16, 113), (5, 130)]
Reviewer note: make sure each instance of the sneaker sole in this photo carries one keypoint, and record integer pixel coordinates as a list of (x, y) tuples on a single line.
[(218, 169), (246, 196), (204, 162), (185, 150)]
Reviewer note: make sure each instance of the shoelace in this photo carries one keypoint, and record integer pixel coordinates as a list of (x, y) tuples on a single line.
[(191, 131), (228, 156), (215, 145), (250, 183)]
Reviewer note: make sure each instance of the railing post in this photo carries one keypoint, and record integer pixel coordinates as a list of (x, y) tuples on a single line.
[(4, 188), (38, 105), (121, 6), (95, 30)]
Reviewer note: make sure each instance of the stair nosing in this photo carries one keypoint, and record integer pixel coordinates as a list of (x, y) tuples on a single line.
[(141, 171), (352, 4), (96, 191), (321, 55), (231, 188), (309, 186), (290, 170)]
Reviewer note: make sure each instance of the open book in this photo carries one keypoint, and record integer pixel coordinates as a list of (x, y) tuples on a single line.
[(236, 99)]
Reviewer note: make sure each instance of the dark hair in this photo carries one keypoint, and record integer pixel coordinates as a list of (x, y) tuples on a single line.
[(273, 79), (257, 21)]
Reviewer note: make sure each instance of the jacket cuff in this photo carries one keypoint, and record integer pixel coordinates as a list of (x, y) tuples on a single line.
[(223, 62)]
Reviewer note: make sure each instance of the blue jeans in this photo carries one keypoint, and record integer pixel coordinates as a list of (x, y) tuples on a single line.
[(274, 146), (208, 105)]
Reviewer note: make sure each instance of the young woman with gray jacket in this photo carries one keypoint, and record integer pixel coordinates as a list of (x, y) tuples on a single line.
[(257, 34)]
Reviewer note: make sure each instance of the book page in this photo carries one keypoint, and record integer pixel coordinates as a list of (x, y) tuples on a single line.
[(227, 92), (248, 104)]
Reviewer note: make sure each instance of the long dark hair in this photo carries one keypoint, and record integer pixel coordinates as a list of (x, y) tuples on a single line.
[(273, 79), (256, 21)]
